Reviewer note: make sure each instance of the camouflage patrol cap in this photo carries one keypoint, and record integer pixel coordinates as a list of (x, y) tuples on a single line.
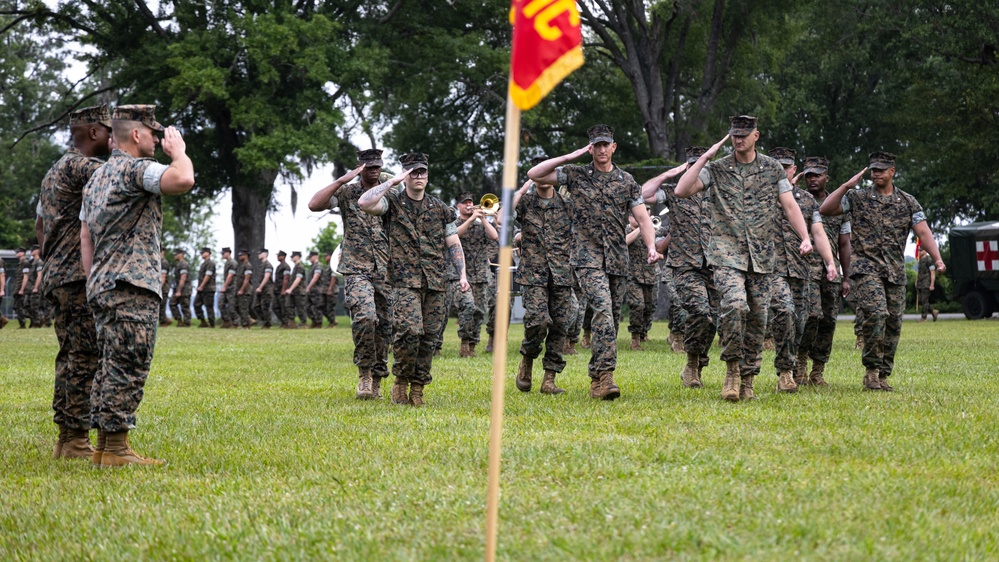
[(262, 251), (783, 155), (371, 158), (414, 161), (296, 254), (93, 115), (537, 160), (226, 250), (35, 247), (741, 125), (313, 253), (179, 251), (816, 165), (20, 250), (694, 152), (466, 196), (206, 249), (882, 160), (243, 253), (281, 253), (600, 133), (145, 114)]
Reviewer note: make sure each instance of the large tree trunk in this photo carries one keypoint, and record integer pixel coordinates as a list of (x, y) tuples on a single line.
[(250, 202)]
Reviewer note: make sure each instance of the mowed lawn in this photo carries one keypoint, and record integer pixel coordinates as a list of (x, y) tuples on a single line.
[(271, 457)]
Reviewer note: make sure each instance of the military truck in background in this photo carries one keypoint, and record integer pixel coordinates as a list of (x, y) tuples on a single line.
[(974, 267)]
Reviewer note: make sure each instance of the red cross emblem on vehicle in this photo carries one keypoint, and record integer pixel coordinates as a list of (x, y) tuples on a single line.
[(987, 252)]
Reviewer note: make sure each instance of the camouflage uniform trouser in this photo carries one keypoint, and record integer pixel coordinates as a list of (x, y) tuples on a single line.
[(790, 311), (742, 316), (924, 300), (547, 312), (180, 307), (820, 327), (21, 308), (39, 308), (641, 299), (243, 306), (882, 304), (417, 318), (126, 335), (697, 294), (298, 305), (262, 308), (77, 360), (283, 312), (472, 311), (329, 306), (858, 315), (227, 307), (204, 305), (452, 296), (677, 314), (370, 304), (605, 295), (164, 300), (576, 324), (317, 305), (491, 323)]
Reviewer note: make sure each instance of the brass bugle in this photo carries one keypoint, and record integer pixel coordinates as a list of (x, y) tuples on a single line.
[(489, 204), (656, 221)]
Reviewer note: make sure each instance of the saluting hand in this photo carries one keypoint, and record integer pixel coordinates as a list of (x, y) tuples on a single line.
[(352, 174), (852, 182), (400, 177), (173, 144), (580, 151), (716, 147), (794, 180)]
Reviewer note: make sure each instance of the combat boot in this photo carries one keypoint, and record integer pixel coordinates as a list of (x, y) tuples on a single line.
[(801, 371), (316, 325), (416, 395), (608, 390), (376, 387), (595, 388), (466, 350), (815, 377), (936, 313), (569, 348), (643, 337), (524, 374), (585, 344), (785, 382), (118, 452), (548, 384), (211, 322), (3, 322), (437, 352), (636, 342), (883, 380), (677, 344), (364, 383), (691, 374), (489, 345), (922, 317), (399, 393), (730, 388), (74, 445), (746, 388), (471, 348), (20, 324), (102, 443), (226, 325), (203, 324), (871, 380)]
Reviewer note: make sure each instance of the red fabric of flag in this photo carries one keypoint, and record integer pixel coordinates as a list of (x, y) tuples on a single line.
[(919, 244), (547, 47)]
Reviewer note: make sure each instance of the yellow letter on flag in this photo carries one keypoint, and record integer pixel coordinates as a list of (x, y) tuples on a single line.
[(547, 47)]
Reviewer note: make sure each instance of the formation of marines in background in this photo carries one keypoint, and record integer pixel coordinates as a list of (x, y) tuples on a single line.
[(737, 253)]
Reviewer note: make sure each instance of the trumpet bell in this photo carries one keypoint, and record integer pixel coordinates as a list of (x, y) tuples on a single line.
[(656, 221), (488, 204)]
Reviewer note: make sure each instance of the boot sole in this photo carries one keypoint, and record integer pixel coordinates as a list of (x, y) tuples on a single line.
[(523, 387), (611, 395)]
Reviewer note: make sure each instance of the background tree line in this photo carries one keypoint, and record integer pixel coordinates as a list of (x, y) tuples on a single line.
[(269, 89)]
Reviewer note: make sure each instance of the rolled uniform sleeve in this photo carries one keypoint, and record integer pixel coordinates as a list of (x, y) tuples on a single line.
[(783, 186), (845, 228), (816, 216), (450, 229), (151, 177), (705, 175), (845, 201)]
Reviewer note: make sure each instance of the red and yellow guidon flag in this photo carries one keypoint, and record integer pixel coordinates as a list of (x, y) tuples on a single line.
[(547, 47)]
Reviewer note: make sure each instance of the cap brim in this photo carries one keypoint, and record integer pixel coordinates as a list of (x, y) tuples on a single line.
[(817, 171), (595, 140), (373, 164), (740, 132), (786, 161), (156, 126), (416, 167), (880, 165)]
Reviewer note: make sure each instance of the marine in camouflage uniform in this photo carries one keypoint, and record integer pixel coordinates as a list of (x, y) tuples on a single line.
[(328, 283), (37, 308), (124, 219), (165, 291), (881, 218), (824, 295), (545, 277), (64, 282), (296, 299), (180, 304), (364, 265), (204, 300), (475, 234), (282, 280), (578, 311), (789, 302), (314, 290), (419, 227), (263, 282), (746, 192), (244, 289), (925, 281), (21, 290), (643, 288), (688, 267), (454, 298), (603, 195), (227, 293)]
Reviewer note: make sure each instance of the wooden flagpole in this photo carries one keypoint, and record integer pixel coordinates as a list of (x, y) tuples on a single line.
[(511, 151)]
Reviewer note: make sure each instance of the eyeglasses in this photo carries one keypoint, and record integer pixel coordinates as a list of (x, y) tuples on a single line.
[(418, 174)]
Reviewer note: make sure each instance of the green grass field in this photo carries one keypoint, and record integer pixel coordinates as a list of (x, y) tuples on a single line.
[(271, 457)]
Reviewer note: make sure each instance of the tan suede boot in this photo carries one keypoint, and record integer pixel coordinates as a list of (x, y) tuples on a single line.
[(815, 377), (75, 444), (636, 342), (416, 394), (585, 343), (569, 348), (376, 387), (364, 382), (801, 371), (400, 390), (60, 441), (548, 384), (922, 317), (730, 388), (871, 380), (884, 383), (463, 350), (785, 382), (102, 443), (595, 388), (691, 374), (936, 313), (746, 388), (608, 390), (118, 452), (524, 374), (471, 348)]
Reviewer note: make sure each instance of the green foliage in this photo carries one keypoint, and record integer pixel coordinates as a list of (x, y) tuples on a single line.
[(327, 240)]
